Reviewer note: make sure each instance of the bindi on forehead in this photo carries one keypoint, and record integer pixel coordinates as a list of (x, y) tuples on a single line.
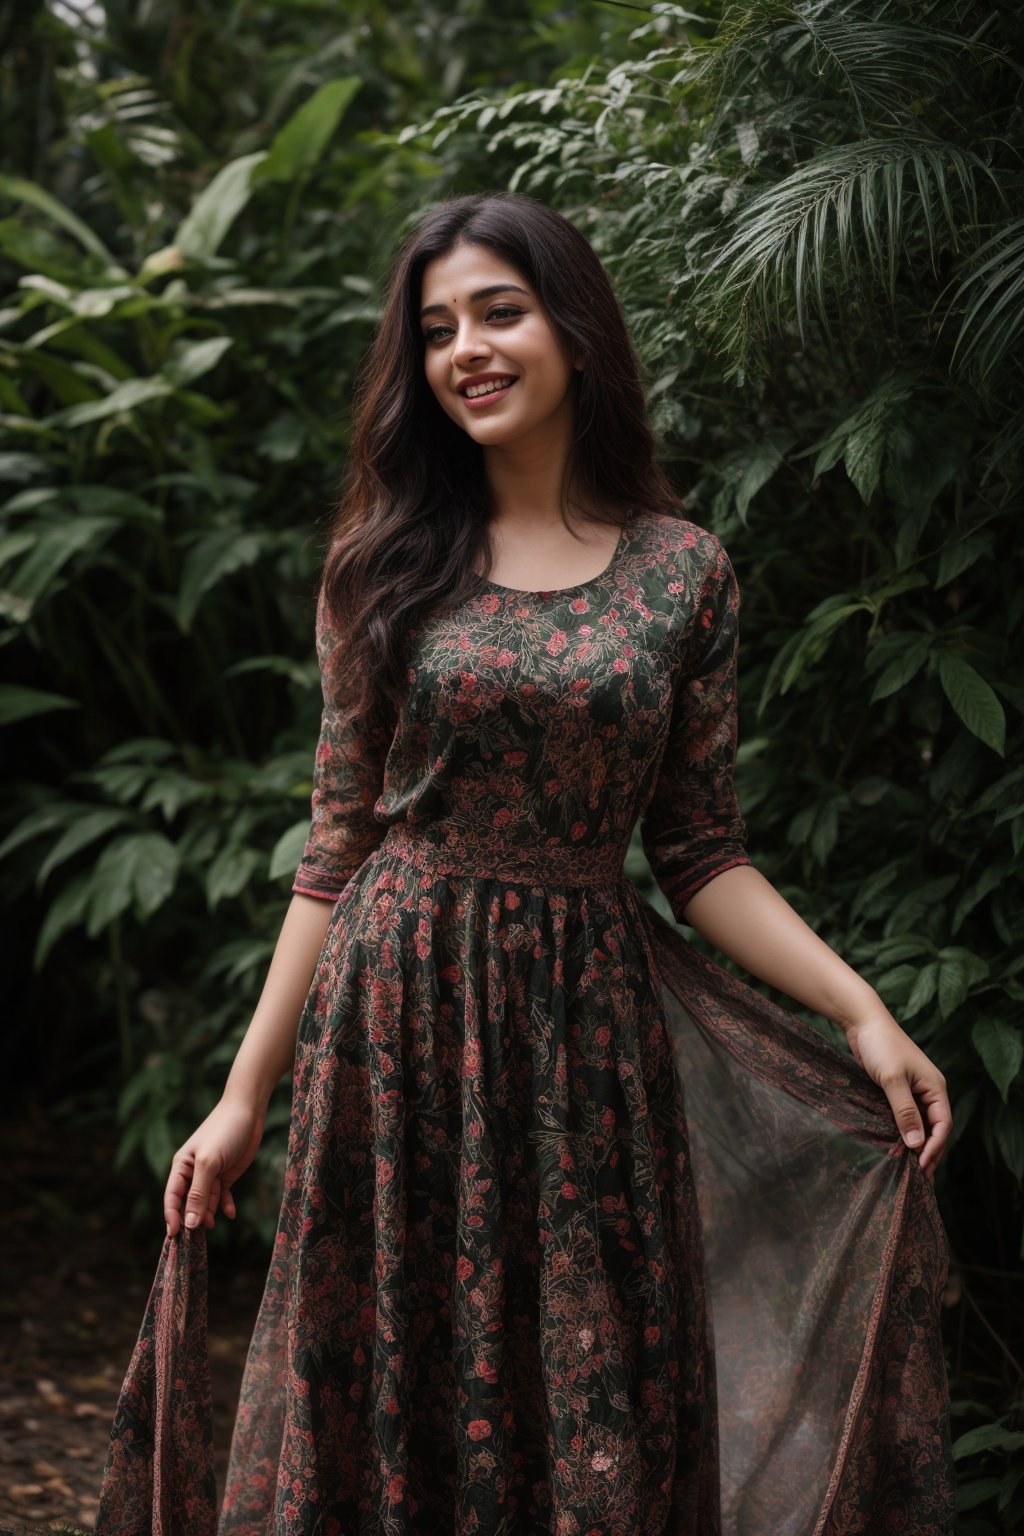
[(475, 298)]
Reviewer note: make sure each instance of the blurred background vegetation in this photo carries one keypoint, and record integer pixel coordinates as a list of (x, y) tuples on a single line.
[(813, 216)]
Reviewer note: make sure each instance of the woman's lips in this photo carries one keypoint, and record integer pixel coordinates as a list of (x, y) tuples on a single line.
[(479, 400)]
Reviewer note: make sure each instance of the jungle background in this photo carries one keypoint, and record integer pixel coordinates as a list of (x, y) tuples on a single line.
[(813, 216)]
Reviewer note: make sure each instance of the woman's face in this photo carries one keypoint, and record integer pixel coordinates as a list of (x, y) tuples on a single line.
[(491, 355)]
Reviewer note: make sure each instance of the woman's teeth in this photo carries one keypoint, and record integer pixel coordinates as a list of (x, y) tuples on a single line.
[(476, 390)]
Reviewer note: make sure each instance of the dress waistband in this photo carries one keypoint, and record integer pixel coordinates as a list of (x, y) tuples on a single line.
[(439, 848)]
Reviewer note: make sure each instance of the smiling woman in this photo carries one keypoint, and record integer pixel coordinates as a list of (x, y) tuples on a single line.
[(502, 370), (531, 481), (579, 1232)]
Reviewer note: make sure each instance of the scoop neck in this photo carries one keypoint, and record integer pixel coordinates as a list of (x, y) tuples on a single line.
[(581, 586)]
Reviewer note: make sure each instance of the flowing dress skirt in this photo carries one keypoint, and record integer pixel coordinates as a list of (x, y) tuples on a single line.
[(662, 1266)]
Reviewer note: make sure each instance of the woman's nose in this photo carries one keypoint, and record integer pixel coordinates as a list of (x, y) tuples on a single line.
[(470, 346)]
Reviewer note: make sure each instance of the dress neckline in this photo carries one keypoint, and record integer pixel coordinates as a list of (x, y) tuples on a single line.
[(581, 586)]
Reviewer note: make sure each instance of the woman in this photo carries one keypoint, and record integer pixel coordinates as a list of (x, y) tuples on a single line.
[(580, 1233)]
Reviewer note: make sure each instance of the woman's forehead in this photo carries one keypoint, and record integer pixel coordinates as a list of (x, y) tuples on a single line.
[(461, 275)]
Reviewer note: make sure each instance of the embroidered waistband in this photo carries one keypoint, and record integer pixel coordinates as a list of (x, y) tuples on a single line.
[(439, 848)]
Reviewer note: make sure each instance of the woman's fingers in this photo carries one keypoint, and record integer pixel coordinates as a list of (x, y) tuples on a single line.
[(205, 1167), (927, 1136), (940, 1117), (899, 1091), (212, 1202), (198, 1203), (207, 1192), (910, 1082), (178, 1181)]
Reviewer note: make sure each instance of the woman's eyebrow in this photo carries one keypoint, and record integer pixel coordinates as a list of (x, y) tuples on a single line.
[(481, 293)]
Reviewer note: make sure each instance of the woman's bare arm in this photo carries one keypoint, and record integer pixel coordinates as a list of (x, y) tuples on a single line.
[(268, 1049), (222, 1147), (743, 915)]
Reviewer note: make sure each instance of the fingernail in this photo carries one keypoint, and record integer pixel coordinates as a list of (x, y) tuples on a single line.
[(191, 1219), (914, 1138)]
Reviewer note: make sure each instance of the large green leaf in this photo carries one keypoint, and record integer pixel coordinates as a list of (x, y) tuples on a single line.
[(299, 144), (88, 828), (21, 466), (1001, 1047), (23, 191), (65, 380), (18, 703), (139, 870), (126, 397), (988, 1437), (218, 205), (222, 552), (903, 668), (65, 912), (288, 850), (959, 971), (53, 549), (191, 359), (1010, 1138), (49, 818), (230, 873), (974, 700)]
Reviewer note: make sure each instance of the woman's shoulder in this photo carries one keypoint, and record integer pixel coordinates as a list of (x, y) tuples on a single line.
[(675, 537)]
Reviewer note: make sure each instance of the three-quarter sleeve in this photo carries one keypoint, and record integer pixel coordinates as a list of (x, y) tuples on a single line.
[(348, 775), (691, 829)]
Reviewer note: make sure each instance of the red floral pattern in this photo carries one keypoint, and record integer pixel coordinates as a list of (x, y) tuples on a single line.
[(580, 1234)]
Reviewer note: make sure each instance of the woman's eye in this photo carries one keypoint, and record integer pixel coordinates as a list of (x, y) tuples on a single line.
[(496, 312)]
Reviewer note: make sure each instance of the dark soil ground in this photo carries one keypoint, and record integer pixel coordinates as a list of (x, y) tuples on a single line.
[(74, 1279)]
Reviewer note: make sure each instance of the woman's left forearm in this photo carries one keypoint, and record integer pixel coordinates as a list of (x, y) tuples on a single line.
[(743, 915)]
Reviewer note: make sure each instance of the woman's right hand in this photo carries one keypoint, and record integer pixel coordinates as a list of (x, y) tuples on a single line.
[(216, 1154)]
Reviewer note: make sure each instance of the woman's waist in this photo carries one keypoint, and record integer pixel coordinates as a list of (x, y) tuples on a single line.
[(444, 847)]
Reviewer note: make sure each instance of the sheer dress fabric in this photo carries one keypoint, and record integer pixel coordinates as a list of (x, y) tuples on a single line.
[(580, 1234)]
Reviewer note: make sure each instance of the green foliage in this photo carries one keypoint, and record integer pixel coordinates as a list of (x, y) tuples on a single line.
[(186, 298), (811, 213)]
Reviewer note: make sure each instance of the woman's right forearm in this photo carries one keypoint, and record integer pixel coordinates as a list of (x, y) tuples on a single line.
[(268, 1049)]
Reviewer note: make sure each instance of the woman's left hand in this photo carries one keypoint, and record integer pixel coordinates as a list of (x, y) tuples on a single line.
[(903, 1071)]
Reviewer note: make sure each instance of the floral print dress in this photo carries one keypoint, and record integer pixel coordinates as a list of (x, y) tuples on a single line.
[(580, 1234)]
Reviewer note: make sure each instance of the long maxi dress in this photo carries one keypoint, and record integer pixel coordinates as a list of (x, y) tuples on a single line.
[(580, 1234)]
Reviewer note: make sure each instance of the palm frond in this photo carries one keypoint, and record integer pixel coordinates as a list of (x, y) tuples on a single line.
[(883, 66), (852, 209), (992, 293), (880, 63), (1004, 455)]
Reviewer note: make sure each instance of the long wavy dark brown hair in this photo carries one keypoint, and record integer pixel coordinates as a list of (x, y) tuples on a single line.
[(409, 532)]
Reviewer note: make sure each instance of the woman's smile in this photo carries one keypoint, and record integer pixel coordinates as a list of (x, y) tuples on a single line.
[(479, 395)]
